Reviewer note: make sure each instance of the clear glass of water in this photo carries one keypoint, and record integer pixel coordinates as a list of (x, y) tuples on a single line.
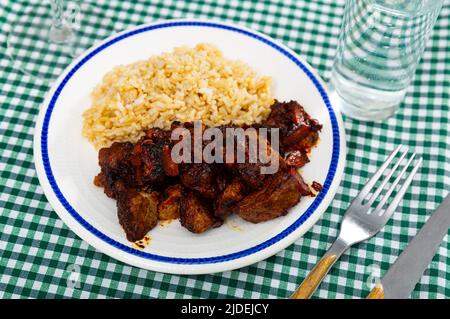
[(380, 45)]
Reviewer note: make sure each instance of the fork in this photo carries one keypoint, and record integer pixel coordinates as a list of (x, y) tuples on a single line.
[(361, 220)]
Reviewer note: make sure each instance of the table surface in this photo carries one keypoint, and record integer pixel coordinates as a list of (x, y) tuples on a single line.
[(41, 258)]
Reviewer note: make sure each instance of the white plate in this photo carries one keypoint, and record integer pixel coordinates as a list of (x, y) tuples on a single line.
[(66, 163)]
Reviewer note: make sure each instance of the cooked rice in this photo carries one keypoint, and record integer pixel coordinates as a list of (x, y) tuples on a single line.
[(185, 85)]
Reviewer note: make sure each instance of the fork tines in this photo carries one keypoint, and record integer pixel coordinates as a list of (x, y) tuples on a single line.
[(366, 198)]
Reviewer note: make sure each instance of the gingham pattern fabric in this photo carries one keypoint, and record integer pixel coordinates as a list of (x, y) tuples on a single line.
[(28, 38), (40, 256)]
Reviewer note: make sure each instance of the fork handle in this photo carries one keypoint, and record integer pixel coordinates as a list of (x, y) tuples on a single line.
[(315, 277)]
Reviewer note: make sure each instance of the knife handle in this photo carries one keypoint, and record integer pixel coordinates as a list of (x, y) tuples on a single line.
[(377, 292)]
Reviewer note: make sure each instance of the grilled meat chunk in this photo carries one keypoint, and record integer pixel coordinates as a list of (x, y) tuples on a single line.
[(157, 135), (297, 159), (280, 192), (170, 167), (137, 212), (169, 206), (111, 183), (316, 186), (232, 194), (147, 162), (222, 179), (116, 158), (161, 146), (200, 177), (116, 167), (295, 125), (304, 144), (195, 216), (101, 180), (303, 188), (252, 173), (284, 115)]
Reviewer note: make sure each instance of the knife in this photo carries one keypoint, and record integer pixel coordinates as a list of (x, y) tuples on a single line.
[(401, 278)]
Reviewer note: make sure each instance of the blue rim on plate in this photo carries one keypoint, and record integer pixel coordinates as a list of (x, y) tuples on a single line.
[(205, 260)]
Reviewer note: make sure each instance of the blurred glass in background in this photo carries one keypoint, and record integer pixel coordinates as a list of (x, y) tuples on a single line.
[(380, 45)]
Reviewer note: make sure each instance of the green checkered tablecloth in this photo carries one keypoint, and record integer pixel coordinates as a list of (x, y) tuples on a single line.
[(39, 255)]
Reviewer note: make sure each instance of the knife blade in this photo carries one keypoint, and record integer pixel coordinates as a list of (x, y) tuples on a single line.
[(401, 278)]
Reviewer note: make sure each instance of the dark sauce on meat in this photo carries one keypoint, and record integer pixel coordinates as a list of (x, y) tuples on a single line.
[(316, 186), (149, 186)]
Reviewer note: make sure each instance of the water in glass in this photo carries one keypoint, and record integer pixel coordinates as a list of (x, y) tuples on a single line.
[(379, 48)]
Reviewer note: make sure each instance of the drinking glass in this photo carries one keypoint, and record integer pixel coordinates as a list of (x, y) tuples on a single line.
[(380, 45), (47, 35)]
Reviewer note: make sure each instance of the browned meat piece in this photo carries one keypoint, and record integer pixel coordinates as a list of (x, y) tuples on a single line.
[(251, 173), (188, 132), (303, 188), (116, 158), (304, 144), (169, 206), (283, 115), (157, 135), (295, 135), (147, 162), (234, 192), (316, 186), (178, 125), (294, 123), (170, 167), (137, 212), (297, 159), (101, 181), (195, 216), (116, 167), (280, 192), (222, 179), (200, 177), (111, 184), (156, 142)]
